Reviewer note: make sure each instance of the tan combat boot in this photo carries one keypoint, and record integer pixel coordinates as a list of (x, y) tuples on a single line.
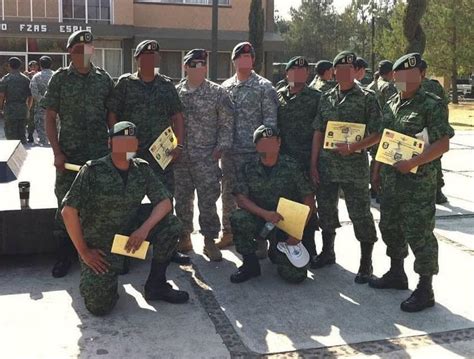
[(262, 249), (225, 240), (185, 245), (211, 250)]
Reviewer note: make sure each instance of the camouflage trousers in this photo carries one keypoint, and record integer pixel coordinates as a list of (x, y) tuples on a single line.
[(100, 290), (165, 176), (15, 129), (39, 126), (30, 124), (356, 195), (246, 227), (439, 174), (203, 175), (407, 217), (231, 165)]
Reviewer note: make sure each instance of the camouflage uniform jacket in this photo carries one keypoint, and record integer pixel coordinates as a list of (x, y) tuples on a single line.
[(80, 103), (384, 91), (39, 85), (209, 117), (106, 205), (435, 87), (16, 87), (357, 105), (255, 103), (322, 85)]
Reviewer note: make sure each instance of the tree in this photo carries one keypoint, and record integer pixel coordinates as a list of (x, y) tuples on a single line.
[(390, 43), (256, 31), (412, 28)]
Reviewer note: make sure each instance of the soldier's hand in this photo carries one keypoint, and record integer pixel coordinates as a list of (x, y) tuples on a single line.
[(216, 154), (292, 241), (273, 217), (175, 154), (344, 149), (135, 240), (314, 175), (59, 160), (95, 260), (404, 166)]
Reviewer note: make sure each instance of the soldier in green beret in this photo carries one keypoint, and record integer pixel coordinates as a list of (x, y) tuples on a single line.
[(383, 86), (324, 79), (298, 106), (95, 210), (77, 94), (407, 201), (346, 166)]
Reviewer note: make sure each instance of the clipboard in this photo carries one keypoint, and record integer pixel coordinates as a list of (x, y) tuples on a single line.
[(295, 215)]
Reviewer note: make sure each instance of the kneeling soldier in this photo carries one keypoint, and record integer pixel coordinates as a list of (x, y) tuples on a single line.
[(104, 200)]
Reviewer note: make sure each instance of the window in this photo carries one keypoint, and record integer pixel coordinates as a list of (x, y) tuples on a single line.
[(171, 64), (110, 60), (224, 66), (12, 44), (86, 10), (185, 2)]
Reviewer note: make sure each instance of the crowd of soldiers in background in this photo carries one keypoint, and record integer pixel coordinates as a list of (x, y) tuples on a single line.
[(245, 141)]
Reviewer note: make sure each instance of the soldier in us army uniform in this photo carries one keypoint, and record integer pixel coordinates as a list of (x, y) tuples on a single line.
[(33, 69), (209, 121), (78, 94), (407, 203), (259, 186), (296, 112), (346, 166), (255, 103), (95, 209), (15, 100), (324, 79), (150, 101)]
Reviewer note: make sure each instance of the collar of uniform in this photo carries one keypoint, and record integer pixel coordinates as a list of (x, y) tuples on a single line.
[(108, 160), (354, 90), (261, 167), (203, 86), (136, 77), (72, 70), (303, 92), (249, 82), (419, 94)]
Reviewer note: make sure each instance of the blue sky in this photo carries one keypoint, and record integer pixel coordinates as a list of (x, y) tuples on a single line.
[(283, 6)]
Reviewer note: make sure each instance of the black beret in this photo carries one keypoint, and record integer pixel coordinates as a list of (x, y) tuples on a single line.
[(360, 63), (407, 62), (123, 128), (385, 67), (297, 61), (78, 37), (345, 57), (323, 65), (264, 132), (423, 65), (243, 48), (14, 61), (146, 45), (195, 54)]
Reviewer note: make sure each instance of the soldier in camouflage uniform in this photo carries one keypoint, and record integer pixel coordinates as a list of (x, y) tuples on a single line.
[(209, 113), (38, 86), (259, 186), (360, 66), (78, 94), (95, 209), (33, 69), (346, 166), (296, 113), (15, 100), (407, 208), (150, 101), (323, 81), (255, 103), (433, 86)]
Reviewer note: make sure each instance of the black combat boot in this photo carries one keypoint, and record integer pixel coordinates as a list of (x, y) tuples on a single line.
[(365, 269), (156, 287), (180, 258), (395, 278), (440, 197), (248, 270), (327, 255), (421, 298)]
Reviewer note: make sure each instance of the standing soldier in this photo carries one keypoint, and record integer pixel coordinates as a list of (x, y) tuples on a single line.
[(33, 69), (78, 94), (360, 66), (255, 102), (208, 111), (346, 166), (296, 113), (383, 86), (150, 101), (407, 203), (323, 81), (38, 86), (15, 100)]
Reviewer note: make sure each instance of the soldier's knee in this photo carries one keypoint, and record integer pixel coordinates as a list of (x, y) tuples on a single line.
[(292, 274), (174, 227), (101, 308)]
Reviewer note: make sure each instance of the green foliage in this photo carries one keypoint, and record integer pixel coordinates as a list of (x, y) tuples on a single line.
[(256, 31)]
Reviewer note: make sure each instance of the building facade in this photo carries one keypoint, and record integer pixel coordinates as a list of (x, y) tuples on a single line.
[(32, 28)]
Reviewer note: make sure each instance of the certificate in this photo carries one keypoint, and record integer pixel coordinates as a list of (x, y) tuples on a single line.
[(394, 147), (294, 217), (162, 147), (118, 247), (343, 132)]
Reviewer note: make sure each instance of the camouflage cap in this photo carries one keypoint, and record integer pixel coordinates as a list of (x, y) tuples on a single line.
[(123, 128), (243, 48), (323, 65), (297, 61), (344, 57), (78, 37), (385, 67), (146, 45), (264, 132), (407, 62), (360, 63), (195, 54)]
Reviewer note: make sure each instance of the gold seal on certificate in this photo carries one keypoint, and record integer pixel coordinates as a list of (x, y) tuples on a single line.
[(343, 132), (162, 147), (394, 147)]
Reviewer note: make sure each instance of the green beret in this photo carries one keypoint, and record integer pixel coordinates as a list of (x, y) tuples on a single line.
[(243, 48), (123, 128), (297, 61), (407, 62), (78, 37), (195, 54), (385, 67), (264, 132), (345, 57), (360, 63), (322, 66), (146, 45)]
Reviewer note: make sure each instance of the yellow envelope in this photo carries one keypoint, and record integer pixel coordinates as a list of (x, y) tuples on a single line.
[(118, 247), (395, 146), (163, 145), (71, 167), (295, 215), (343, 132)]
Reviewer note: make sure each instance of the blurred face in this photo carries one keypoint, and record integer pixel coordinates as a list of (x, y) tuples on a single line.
[(123, 144), (147, 62), (196, 71), (345, 74), (34, 68), (297, 76), (243, 62), (81, 54), (328, 74), (360, 74), (407, 80), (268, 149)]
